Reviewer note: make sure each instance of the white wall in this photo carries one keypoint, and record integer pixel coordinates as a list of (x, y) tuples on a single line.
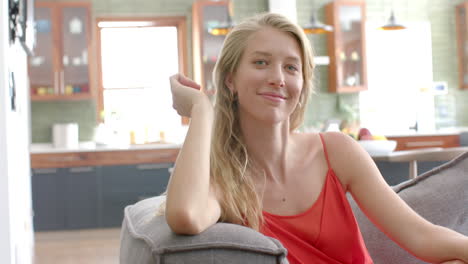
[(5, 235), (284, 7), (16, 235)]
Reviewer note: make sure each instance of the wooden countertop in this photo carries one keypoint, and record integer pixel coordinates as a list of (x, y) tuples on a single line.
[(48, 157), (428, 133), (41, 148)]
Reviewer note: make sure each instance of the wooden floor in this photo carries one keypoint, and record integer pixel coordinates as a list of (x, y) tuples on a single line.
[(89, 246)]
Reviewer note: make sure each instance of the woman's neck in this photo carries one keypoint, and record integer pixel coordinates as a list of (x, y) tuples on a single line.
[(269, 146)]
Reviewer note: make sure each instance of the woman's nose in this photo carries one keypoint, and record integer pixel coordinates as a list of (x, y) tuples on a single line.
[(276, 77)]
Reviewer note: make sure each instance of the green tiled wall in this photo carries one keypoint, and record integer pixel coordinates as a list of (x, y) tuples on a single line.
[(45, 114), (323, 105)]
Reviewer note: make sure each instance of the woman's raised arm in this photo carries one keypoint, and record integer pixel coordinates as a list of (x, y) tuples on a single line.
[(192, 204)]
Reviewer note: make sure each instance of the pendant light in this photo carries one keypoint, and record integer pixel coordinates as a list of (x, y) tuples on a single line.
[(223, 28), (392, 24), (315, 26)]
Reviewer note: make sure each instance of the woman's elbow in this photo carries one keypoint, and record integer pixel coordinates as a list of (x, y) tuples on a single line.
[(184, 223)]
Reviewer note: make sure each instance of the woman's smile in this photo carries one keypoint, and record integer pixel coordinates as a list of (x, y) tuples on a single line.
[(275, 97)]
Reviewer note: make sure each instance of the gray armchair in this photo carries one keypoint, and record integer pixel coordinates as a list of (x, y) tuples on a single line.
[(440, 195)]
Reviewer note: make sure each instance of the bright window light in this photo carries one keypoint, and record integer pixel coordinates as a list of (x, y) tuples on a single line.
[(136, 65), (399, 67)]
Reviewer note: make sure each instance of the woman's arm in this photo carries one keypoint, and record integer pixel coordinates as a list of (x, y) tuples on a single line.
[(443, 240), (191, 204), (387, 210)]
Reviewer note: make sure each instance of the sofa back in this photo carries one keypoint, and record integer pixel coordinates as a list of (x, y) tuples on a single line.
[(439, 195)]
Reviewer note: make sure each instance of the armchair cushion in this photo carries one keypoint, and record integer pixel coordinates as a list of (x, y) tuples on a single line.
[(146, 238)]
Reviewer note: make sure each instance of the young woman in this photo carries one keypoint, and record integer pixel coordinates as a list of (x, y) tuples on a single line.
[(243, 161)]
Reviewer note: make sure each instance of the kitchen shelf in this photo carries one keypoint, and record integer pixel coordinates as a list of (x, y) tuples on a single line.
[(59, 68), (52, 97), (346, 46), (204, 44)]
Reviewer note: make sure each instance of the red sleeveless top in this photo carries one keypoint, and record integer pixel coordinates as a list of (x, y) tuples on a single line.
[(325, 233)]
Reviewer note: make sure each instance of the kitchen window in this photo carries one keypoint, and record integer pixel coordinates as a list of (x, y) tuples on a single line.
[(399, 66), (137, 56)]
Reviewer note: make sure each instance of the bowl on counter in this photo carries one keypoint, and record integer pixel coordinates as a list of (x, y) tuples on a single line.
[(378, 147)]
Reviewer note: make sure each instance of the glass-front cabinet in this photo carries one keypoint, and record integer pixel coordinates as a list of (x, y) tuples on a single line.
[(346, 46), (462, 37), (58, 70), (208, 18)]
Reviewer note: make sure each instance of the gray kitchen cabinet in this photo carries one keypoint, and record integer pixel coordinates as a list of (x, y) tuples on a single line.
[(48, 195), (128, 184), (82, 197), (65, 198), (114, 196), (92, 197)]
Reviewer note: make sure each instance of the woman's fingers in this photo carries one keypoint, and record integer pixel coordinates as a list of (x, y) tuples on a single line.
[(174, 80), (188, 82), (185, 93)]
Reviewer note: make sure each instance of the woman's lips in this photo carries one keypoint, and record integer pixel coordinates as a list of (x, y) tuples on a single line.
[(273, 97)]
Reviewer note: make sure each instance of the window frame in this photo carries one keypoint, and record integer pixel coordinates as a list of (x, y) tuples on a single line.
[(176, 21)]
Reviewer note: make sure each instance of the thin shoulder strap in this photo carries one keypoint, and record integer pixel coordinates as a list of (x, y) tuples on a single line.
[(325, 150)]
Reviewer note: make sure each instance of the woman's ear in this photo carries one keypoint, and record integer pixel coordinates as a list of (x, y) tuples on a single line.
[(229, 82)]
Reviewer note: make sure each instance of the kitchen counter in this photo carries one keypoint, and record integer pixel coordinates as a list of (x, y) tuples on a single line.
[(436, 132), (90, 154), (441, 138), (90, 186), (426, 154), (38, 148)]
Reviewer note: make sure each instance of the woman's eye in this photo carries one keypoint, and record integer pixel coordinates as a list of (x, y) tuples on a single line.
[(260, 62), (291, 68)]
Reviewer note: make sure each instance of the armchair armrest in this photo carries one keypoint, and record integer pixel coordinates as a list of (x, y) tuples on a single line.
[(146, 238)]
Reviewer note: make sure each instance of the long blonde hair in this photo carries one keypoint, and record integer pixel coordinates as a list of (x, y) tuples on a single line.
[(230, 163)]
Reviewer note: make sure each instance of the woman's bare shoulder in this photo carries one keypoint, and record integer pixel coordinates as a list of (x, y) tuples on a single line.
[(338, 140), (343, 153), (332, 139)]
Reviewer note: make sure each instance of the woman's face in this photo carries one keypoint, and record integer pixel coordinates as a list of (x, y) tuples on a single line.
[(269, 79)]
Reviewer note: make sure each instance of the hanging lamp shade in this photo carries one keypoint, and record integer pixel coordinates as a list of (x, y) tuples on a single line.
[(316, 27), (392, 24), (223, 28)]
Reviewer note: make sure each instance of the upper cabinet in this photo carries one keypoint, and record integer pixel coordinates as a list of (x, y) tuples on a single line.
[(346, 46), (462, 36), (58, 70), (207, 44)]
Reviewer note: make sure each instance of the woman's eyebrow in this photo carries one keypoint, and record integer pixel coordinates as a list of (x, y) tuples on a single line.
[(262, 53), (294, 58), (267, 54)]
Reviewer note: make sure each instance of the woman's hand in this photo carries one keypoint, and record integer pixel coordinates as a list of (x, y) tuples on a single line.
[(185, 94)]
